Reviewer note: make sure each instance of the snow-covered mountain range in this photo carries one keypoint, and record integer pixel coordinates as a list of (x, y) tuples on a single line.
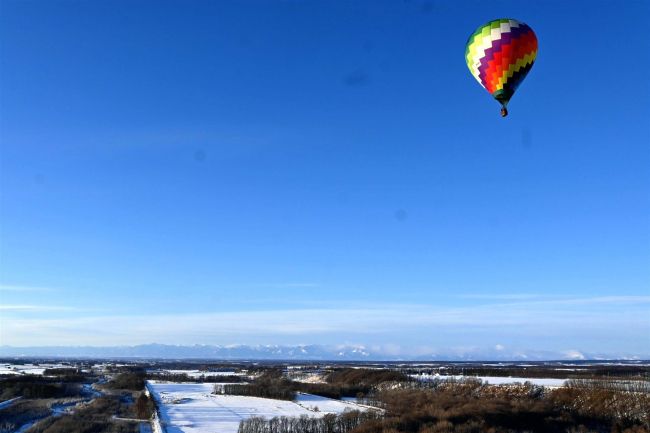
[(297, 352)]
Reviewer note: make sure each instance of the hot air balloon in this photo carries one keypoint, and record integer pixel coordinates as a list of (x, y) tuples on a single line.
[(500, 54)]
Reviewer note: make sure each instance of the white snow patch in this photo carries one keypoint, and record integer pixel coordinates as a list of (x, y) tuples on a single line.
[(198, 373), (493, 380), (323, 404), (19, 369)]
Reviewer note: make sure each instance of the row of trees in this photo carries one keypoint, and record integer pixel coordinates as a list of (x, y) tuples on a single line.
[(38, 387), (347, 382), (184, 377), (329, 423), (364, 377), (613, 385), (62, 371), (271, 384), (144, 407), (279, 390), (22, 412), (538, 371), (133, 381), (95, 417)]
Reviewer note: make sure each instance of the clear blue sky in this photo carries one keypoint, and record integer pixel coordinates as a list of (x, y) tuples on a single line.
[(322, 172)]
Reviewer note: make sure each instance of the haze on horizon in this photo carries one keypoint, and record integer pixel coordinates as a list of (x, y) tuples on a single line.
[(322, 173)]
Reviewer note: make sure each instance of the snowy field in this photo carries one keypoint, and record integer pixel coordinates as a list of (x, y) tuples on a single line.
[(19, 369), (192, 408), (316, 403), (493, 380), (198, 373)]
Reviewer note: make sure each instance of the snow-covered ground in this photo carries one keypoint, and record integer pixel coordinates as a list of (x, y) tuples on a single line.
[(192, 408), (323, 404), (18, 369), (9, 402), (198, 373), (493, 380), (308, 377)]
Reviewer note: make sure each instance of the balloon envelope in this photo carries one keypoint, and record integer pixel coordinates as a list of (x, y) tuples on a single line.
[(500, 54)]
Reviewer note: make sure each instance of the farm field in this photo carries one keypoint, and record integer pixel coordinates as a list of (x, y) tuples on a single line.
[(20, 369), (193, 373), (192, 408), (494, 380), (105, 396)]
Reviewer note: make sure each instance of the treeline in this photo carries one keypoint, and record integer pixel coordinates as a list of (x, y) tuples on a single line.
[(184, 377), (271, 384), (277, 391), (365, 376), (355, 381), (38, 387), (95, 417), (201, 366), (144, 407), (348, 382), (329, 423), (330, 390), (22, 412), (470, 406), (620, 409), (133, 381), (351, 382), (62, 371), (612, 384), (541, 371)]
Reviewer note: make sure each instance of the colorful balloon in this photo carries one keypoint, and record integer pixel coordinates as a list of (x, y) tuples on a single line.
[(500, 54)]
